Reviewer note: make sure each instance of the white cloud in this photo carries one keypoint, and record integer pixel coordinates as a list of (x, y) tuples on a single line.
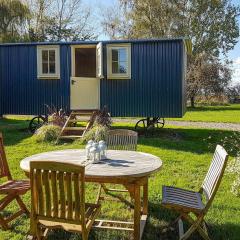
[(236, 70)]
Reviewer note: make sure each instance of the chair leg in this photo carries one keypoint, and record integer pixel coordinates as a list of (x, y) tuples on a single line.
[(104, 188), (170, 226), (189, 232), (196, 225), (22, 205), (84, 235), (4, 203), (101, 187), (41, 233), (3, 223), (98, 194), (38, 233), (203, 231)]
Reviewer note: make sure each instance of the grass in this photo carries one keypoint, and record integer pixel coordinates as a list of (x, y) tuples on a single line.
[(226, 114), (186, 156)]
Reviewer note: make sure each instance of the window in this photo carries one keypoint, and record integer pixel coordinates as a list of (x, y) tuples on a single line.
[(119, 61), (48, 62), (85, 62)]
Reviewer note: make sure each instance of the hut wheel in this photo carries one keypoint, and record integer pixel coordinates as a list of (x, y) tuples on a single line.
[(149, 123), (36, 123), (160, 122)]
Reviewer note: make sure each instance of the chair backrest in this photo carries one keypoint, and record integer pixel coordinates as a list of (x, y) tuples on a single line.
[(122, 139), (215, 173), (4, 169), (58, 192)]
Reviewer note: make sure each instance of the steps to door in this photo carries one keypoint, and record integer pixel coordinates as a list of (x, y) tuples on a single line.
[(77, 124)]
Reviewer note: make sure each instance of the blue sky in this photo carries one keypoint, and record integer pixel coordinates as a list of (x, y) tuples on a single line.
[(97, 7), (234, 55), (236, 52)]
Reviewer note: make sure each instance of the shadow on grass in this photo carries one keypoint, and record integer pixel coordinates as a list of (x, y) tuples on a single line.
[(14, 131), (156, 228), (194, 140), (164, 217)]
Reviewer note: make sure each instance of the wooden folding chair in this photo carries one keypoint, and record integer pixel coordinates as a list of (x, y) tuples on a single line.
[(186, 202), (122, 139), (58, 199), (119, 139), (11, 190)]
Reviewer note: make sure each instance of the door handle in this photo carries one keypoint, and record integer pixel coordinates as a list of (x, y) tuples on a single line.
[(73, 81)]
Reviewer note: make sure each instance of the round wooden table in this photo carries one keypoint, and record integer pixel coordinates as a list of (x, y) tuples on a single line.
[(128, 168)]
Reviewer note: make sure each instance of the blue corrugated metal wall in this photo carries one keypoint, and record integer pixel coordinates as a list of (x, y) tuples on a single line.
[(155, 89), (21, 91), (156, 86)]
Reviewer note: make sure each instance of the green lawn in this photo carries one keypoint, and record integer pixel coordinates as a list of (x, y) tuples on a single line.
[(230, 113), (186, 157)]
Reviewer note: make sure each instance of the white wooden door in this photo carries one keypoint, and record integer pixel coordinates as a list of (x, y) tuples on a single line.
[(84, 93)]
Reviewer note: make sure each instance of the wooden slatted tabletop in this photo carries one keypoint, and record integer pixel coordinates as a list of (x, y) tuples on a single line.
[(119, 163)]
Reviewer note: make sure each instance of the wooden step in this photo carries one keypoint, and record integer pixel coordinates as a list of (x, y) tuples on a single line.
[(74, 128), (78, 120), (70, 136), (82, 113), (73, 132)]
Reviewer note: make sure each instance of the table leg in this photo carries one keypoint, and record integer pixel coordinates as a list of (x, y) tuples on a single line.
[(32, 232), (137, 212), (145, 198)]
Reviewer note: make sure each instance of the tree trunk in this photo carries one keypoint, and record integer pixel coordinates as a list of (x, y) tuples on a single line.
[(192, 99)]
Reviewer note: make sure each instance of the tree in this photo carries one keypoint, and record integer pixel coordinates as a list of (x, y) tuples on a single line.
[(39, 18), (13, 17), (211, 25), (115, 22), (59, 20), (207, 76), (233, 93)]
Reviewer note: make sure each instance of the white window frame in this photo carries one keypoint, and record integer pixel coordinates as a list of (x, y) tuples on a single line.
[(110, 74), (40, 74)]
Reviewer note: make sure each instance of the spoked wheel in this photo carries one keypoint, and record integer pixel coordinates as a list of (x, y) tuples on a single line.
[(149, 123), (36, 123), (160, 122), (141, 125)]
